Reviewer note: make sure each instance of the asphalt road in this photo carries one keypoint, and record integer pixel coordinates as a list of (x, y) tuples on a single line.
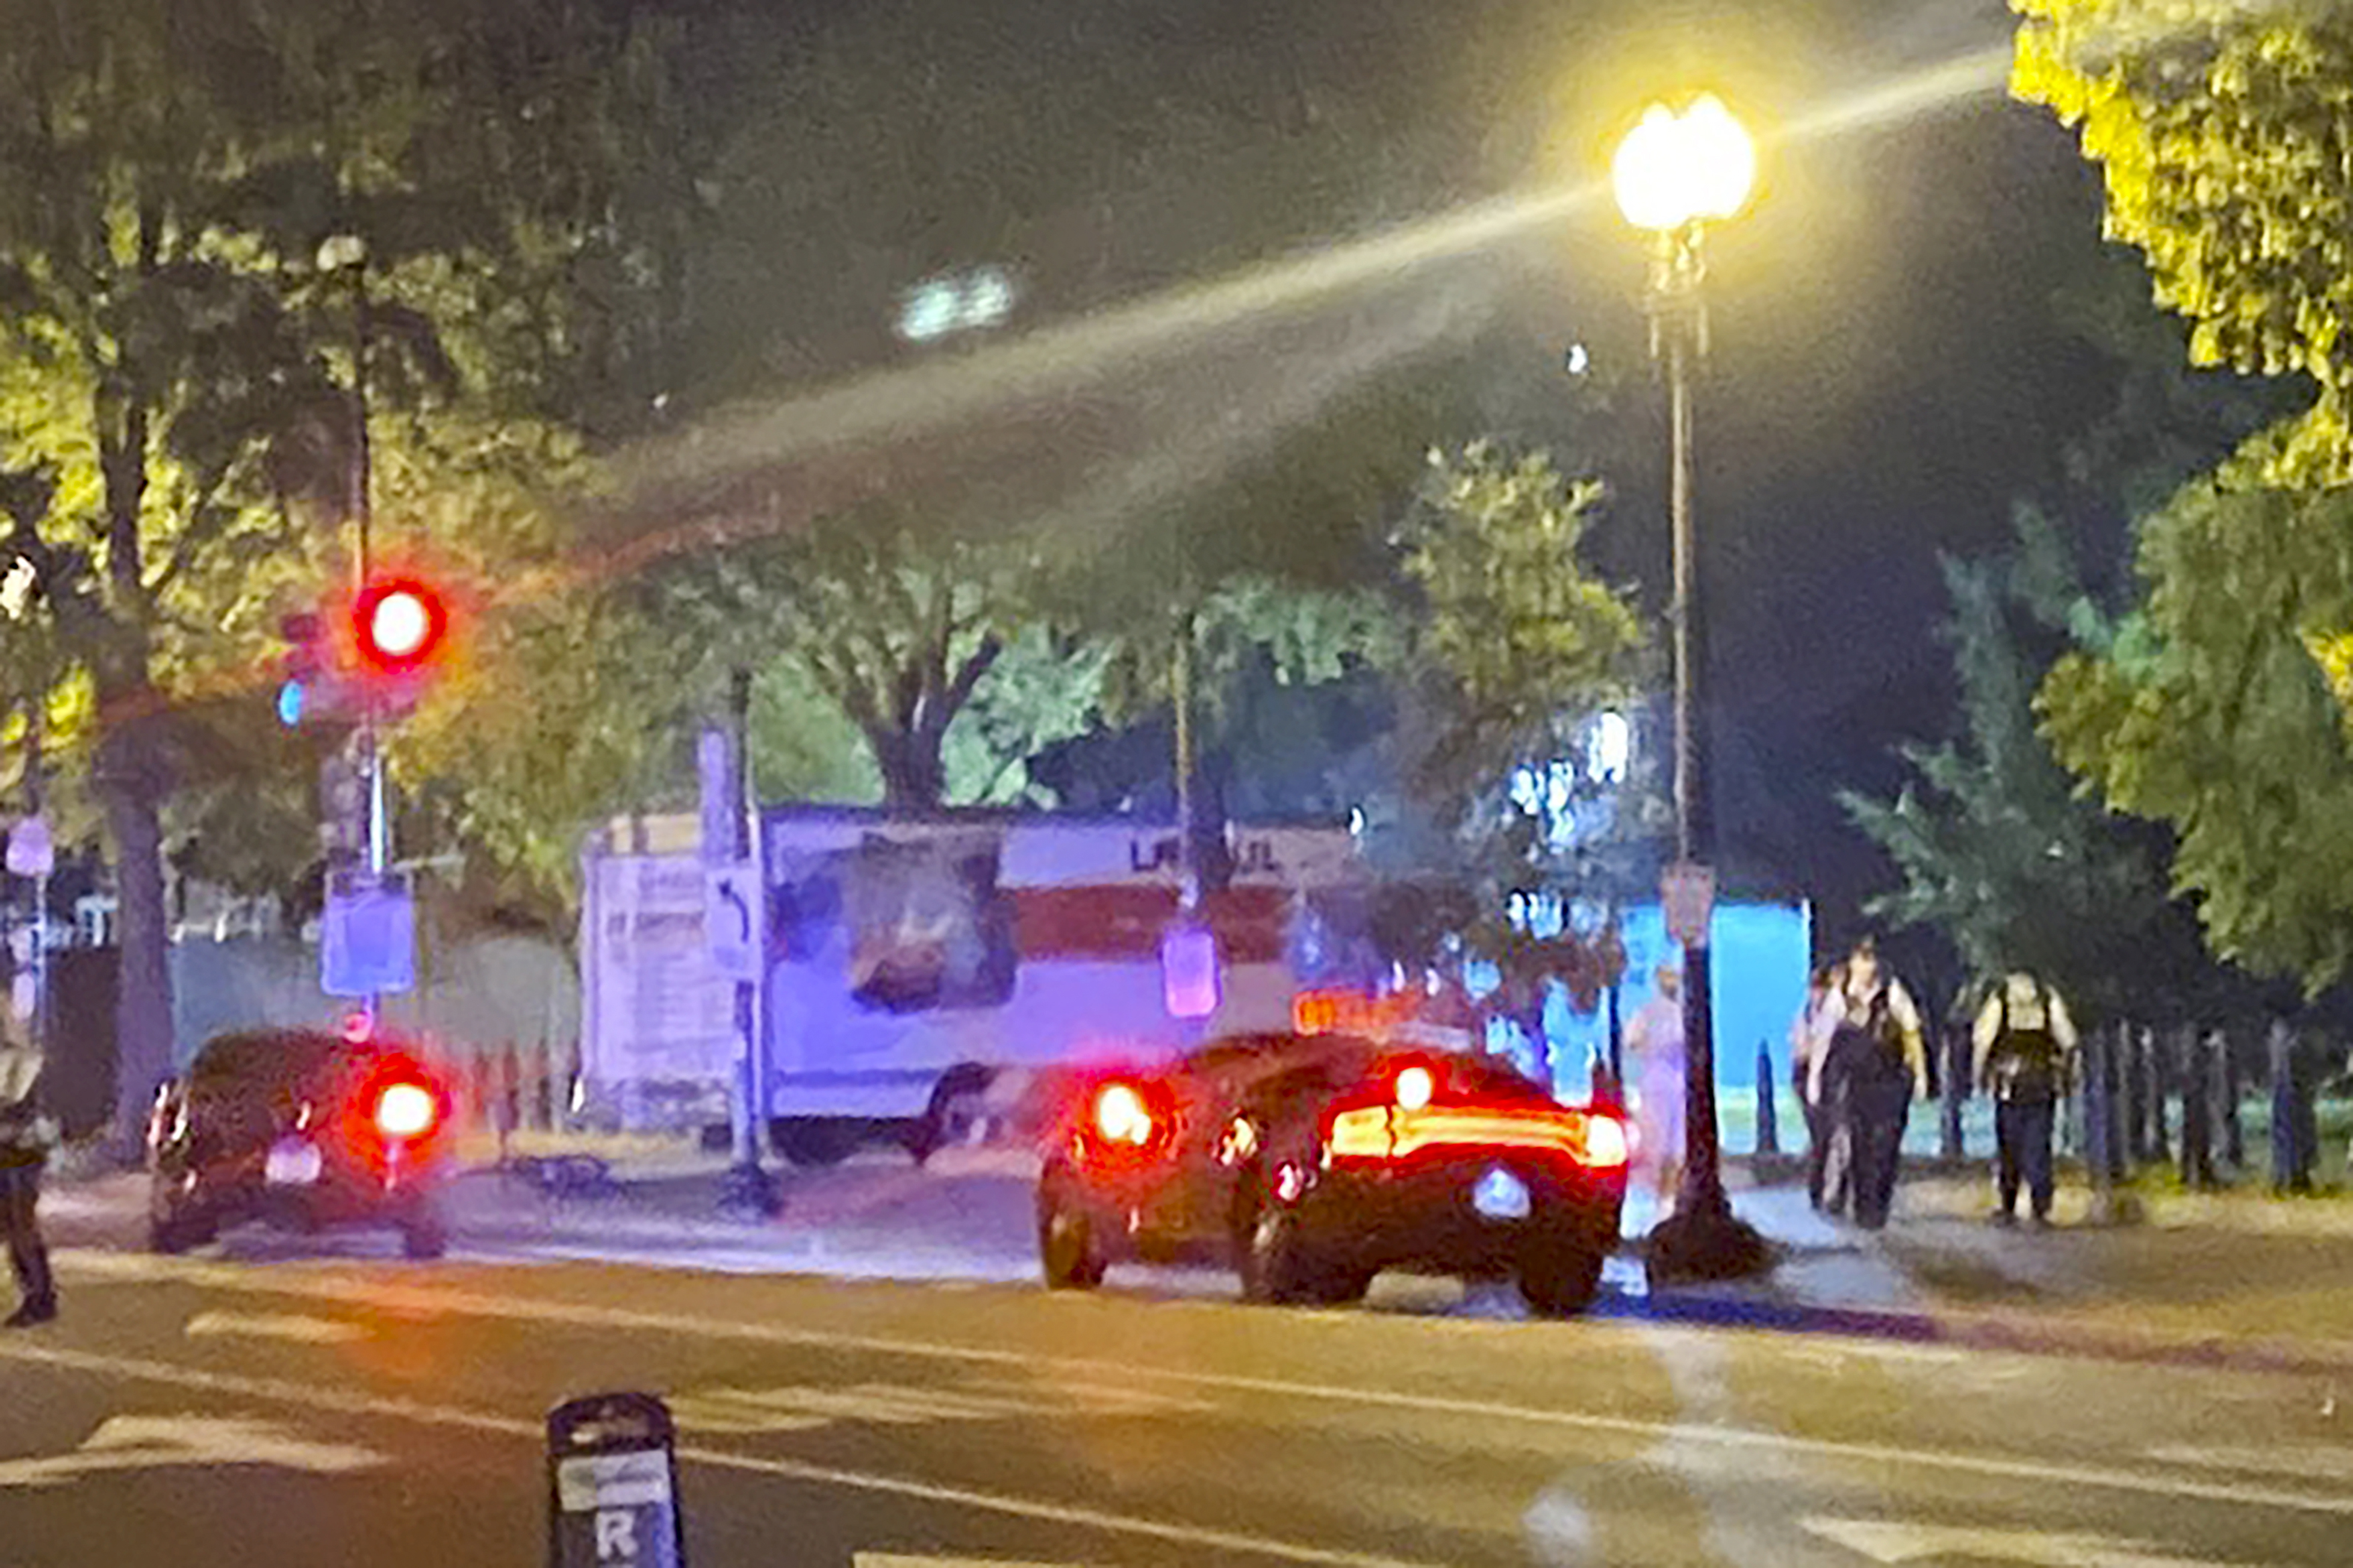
[(288, 1406)]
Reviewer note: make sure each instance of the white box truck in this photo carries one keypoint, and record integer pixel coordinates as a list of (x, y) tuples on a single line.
[(922, 971)]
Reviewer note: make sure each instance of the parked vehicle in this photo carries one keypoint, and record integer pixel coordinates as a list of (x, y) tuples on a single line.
[(302, 1129)]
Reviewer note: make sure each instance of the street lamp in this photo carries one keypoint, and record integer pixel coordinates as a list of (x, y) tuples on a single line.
[(1676, 173)]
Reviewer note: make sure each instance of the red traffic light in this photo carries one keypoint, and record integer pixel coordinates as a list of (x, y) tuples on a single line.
[(398, 626)]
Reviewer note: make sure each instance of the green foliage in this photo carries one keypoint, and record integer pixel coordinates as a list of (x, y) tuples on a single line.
[(2221, 127), (2211, 711), (1513, 642), (899, 625), (1512, 649), (1997, 849)]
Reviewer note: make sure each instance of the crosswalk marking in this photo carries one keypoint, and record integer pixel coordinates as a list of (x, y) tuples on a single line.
[(807, 1407), (291, 1326)]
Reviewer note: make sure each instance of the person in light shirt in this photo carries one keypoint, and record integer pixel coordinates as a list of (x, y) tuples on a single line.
[(1876, 1064), (2025, 1058), (1654, 1043), (1810, 1038)]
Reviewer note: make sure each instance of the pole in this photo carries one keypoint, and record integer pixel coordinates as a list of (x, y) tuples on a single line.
[(748, 1191), (361, 504), (1703, 1238)]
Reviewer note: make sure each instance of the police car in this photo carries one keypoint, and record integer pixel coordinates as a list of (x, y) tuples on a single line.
[(1310, 1162)]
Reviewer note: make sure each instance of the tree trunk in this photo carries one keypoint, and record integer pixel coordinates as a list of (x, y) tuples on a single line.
[(132, 783), (914, 776)]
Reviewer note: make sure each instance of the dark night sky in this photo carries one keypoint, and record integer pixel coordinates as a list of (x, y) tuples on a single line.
[(1889, 374)]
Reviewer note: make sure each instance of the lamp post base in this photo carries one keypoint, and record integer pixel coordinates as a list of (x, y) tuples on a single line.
[(1706, 1241), (747, 1192)]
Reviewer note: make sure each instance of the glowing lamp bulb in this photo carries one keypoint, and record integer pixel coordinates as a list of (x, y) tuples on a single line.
[(406, 1111), (1121, 1117), (1415, 1086), (1697, 166)]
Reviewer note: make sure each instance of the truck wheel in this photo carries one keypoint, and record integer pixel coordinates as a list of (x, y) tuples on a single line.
[(809, 1140), (1066, 1253), (1559, 1273), (958, 1104)]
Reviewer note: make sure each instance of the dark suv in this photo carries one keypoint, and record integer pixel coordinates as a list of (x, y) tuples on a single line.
[(303, 1129), (1311, 1163)]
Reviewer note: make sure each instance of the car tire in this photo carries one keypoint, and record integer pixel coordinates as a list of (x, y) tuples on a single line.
[(1068, 1255), (171, 1233), (424, 1236), (1559, 1274), (813, 1140), (1277, 1267)]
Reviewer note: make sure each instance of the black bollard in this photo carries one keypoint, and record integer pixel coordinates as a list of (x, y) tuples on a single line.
[(2235, 1131), (1959, 1051), (2125, 1085), (2197, 1109), (1768, 1109), (2099, 1120), (2291, 1162)]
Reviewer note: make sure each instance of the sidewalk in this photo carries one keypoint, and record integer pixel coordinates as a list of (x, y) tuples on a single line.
[(2237, 1279)]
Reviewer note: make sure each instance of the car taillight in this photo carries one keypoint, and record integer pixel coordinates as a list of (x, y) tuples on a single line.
[(1415, 1087), (1121, 1117), (1605, 1142), (406, 1111)]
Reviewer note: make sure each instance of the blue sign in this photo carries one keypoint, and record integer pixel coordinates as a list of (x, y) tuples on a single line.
[(368, 940)]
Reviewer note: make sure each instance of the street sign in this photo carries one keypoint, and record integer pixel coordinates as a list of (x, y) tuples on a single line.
[(1189, 980), (613, 1484), (368, 941), (1688, 892), (31, 852), (731, 919)]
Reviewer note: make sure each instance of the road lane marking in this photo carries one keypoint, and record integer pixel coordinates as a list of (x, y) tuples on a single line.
[(312, 1397), (1895, 1541), (2314, 1462), (187, 1442), (428, 1301), (289, 1326), (807, 1407)]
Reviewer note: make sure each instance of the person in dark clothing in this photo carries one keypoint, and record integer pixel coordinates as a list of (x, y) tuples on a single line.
[(26, 1133), (2025, 1058), (1874, 1065)]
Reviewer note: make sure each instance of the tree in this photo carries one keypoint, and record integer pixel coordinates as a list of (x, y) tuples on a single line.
[(2221, 129), (1996, 848), (1512, 650), (171, 403), (896, 622), (2220, 707)]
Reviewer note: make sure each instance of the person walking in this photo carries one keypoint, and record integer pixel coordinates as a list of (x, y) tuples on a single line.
[(26, 1133), (1654, 1040), (1876, 1064), (2025, 1057), (1809, 1037)]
